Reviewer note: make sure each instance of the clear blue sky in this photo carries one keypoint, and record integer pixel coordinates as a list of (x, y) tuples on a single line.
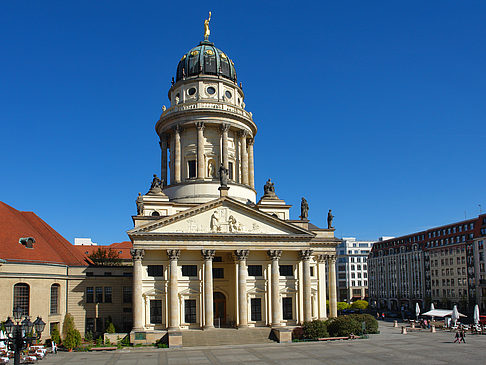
[(374, 109)]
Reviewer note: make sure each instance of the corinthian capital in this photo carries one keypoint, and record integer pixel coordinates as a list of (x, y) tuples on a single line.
[(305, 254), (274, 254), (173, 254), (208, 254), (225, 128), (137, 254), (200, 126), (242, 254)]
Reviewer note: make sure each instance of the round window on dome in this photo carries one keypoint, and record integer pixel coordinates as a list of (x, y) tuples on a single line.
[(191, 91), (210, 90), (228, 94)]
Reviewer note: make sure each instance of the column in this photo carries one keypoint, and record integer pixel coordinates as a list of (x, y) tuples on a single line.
[(251, 167), (177, 154), (171, 161), (173, 290), (305, 256), (208, 256), (200, 151), (224, 142), (163, 159), (244, 158), (241, 256), (275, 284), (331, 266), (137, 256), (321, 286)]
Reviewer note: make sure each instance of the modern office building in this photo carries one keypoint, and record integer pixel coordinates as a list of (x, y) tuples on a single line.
[(352, 269)]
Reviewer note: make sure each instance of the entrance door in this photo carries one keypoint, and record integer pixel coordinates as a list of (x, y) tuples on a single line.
[(219, 308)]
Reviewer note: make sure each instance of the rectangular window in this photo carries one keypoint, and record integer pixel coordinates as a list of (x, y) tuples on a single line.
[(191, 165), (108, 296), (127, 294), (218, 272), (22, 298), (155, 270), (89, 294), (286, 270), (99, 294), (230, 171), (256, 309), (155, 311), (287, 308), (99, 325), (255, 270), (55, 299), (189, 270), (311, 271), (90, 325), (190, 311)]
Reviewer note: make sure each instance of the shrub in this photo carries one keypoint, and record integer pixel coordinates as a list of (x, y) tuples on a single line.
[(370, 322), (359, 304), (68, 324), (72, 339), (89, 336), (343, 326), (55, 335), (342, 306), (99, 341), (315, 329), (111, 328)]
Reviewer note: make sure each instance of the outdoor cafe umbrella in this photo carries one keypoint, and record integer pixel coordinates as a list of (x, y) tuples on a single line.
[(417, 310), (476, 314), (2, 337), (454, 315)]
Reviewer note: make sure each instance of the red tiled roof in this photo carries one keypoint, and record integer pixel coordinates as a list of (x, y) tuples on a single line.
[(123, 249), (49, 246)]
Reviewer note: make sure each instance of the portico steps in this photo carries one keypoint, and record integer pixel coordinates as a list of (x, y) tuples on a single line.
[(226, 336)]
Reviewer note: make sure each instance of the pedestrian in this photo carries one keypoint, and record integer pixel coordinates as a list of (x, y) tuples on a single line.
[(458, 337), (383, 316), (463, 337), (54, 348)]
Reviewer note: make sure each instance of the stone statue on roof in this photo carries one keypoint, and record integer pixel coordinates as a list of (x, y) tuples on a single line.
[(304, 209), (330, 217), (139, 204), (223, 176), (269, 188), (156, 186)]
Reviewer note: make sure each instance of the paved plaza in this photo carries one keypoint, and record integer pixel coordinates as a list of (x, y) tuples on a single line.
[(389, 347)]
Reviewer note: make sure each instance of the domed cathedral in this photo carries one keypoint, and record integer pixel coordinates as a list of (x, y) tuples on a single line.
[(206, 253)]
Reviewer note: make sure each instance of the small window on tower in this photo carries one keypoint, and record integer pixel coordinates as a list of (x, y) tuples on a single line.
[(192, 169)]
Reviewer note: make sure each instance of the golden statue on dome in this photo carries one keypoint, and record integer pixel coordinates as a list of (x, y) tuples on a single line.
[(207, 32)]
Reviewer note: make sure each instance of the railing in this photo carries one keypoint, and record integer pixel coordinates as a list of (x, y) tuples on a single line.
[(208, 105)]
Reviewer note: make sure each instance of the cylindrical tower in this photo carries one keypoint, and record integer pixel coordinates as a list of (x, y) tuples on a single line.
[(205, 126)]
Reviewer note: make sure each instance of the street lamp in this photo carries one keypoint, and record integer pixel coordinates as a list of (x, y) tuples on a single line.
[(20, 334)]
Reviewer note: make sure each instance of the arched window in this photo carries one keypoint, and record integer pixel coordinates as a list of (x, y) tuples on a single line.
[(22, 298), (55, 289)]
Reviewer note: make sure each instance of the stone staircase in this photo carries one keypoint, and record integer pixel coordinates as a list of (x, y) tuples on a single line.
[(226, 336)]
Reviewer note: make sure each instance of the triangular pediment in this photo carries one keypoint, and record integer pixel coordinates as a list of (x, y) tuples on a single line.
[(221, 216)]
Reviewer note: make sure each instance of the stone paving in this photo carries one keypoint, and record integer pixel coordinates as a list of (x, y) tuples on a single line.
[(389, 347)]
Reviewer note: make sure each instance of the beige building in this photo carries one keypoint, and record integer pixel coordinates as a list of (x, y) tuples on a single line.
[(206, 252)]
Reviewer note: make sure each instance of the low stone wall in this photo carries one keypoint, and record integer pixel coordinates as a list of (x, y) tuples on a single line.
[(114, 337), (146, 337)]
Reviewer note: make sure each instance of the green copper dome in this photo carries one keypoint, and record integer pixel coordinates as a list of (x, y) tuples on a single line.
[(205, 59)]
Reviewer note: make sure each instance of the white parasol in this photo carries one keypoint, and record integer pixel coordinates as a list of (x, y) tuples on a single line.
[(454, 315), (476, 314), (417, 310)]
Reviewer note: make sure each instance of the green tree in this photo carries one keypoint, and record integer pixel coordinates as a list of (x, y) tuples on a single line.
[(105, 257), (342, 306), (359, 304), (111, 328), (71, 336), (55, 335), (315, 329), (67, 324)]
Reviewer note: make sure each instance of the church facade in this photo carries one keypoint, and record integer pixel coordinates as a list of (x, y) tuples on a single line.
[(206, 252)]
